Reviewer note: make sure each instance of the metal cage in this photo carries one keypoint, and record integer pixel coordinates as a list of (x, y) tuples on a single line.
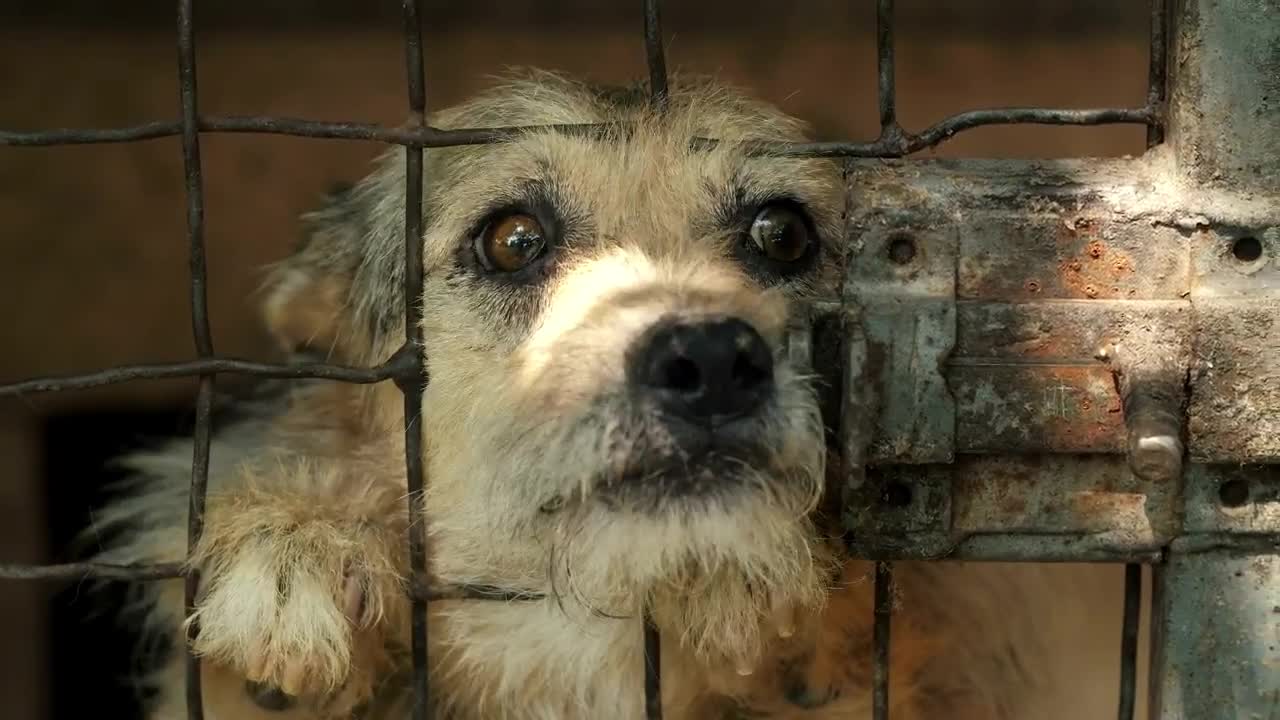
[(943, 462)]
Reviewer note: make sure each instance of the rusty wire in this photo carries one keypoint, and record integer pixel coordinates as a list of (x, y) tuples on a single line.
[(406, 368), (412, 385), (890, 133), (393, 368), (1129, 640), (882, 614), (203, 338)]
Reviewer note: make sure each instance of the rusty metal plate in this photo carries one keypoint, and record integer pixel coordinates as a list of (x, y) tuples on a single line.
[(1089, 495), (906, 349), (1032, 507), (1026, 375), (1065, 330), (1085, 254), (1028, 408), (1047, 264), (902, 279)]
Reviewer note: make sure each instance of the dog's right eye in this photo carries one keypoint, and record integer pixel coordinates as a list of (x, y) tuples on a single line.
[(510, 242)]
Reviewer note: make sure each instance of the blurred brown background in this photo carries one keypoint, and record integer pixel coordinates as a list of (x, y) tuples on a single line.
[(93, 244)]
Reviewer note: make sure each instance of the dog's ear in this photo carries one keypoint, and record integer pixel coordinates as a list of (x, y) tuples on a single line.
[(307, 297)]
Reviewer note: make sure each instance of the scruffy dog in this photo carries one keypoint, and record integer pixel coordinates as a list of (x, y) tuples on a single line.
[(612, 423)]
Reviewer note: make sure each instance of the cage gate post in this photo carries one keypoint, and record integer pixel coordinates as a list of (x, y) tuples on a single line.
[(1007, 451), (1217, 612)]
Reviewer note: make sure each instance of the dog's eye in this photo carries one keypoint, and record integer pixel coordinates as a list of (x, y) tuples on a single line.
[(509, 243), (781, 233)]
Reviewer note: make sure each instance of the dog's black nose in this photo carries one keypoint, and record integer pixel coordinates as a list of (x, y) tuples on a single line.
[(708, 370)]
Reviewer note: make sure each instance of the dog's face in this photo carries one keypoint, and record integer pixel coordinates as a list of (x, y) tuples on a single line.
[(611, 410)]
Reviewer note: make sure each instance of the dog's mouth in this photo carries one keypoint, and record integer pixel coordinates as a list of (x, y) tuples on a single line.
[(692, 462)]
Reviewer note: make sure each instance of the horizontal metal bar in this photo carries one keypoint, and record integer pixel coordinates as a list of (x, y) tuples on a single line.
[(391, 369), (899, 145), (297, 127), (1016, 549), (894, 146), (174, 570), (91, 570)]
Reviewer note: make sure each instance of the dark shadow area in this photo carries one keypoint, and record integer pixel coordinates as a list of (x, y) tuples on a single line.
[(89, 642)]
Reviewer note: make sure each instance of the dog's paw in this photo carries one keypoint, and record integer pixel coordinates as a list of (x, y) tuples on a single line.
[(302, 605)]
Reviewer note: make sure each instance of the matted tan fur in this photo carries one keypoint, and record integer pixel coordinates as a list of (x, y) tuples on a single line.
[(534, 430)]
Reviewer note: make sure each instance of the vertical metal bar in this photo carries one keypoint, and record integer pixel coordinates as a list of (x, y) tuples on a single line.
[(652, 670), (412, 387), (1220, 624), (883, 613), (1156, 643), (1156, 71), (885, 67), (654, 53), (200, 330), (1223, 120), (1215, 626), (658, 95), (1129, 639)]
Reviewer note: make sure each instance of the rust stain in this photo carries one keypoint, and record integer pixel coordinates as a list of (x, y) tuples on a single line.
[(1013, 504), (1092, 508), (1080, 253), (1096, 271), (1004, 494)]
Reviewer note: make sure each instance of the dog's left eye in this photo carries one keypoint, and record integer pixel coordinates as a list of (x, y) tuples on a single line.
[(781, 233), (510, 243)]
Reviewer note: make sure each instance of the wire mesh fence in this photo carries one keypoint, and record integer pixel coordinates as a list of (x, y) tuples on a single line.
[(406, 367)]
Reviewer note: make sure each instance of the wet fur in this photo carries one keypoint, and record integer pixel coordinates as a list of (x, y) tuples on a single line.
[(530, 434)]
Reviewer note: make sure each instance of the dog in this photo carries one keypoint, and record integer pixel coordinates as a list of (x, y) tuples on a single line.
[(612, 429)]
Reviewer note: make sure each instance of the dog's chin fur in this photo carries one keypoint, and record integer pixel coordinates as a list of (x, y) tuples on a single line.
[(536, 455), (715, 578), (705, 568)]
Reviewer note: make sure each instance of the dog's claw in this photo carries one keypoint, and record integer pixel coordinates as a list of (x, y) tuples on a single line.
[(784, 621), (256, 672), (268, 697), (353, 600)]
